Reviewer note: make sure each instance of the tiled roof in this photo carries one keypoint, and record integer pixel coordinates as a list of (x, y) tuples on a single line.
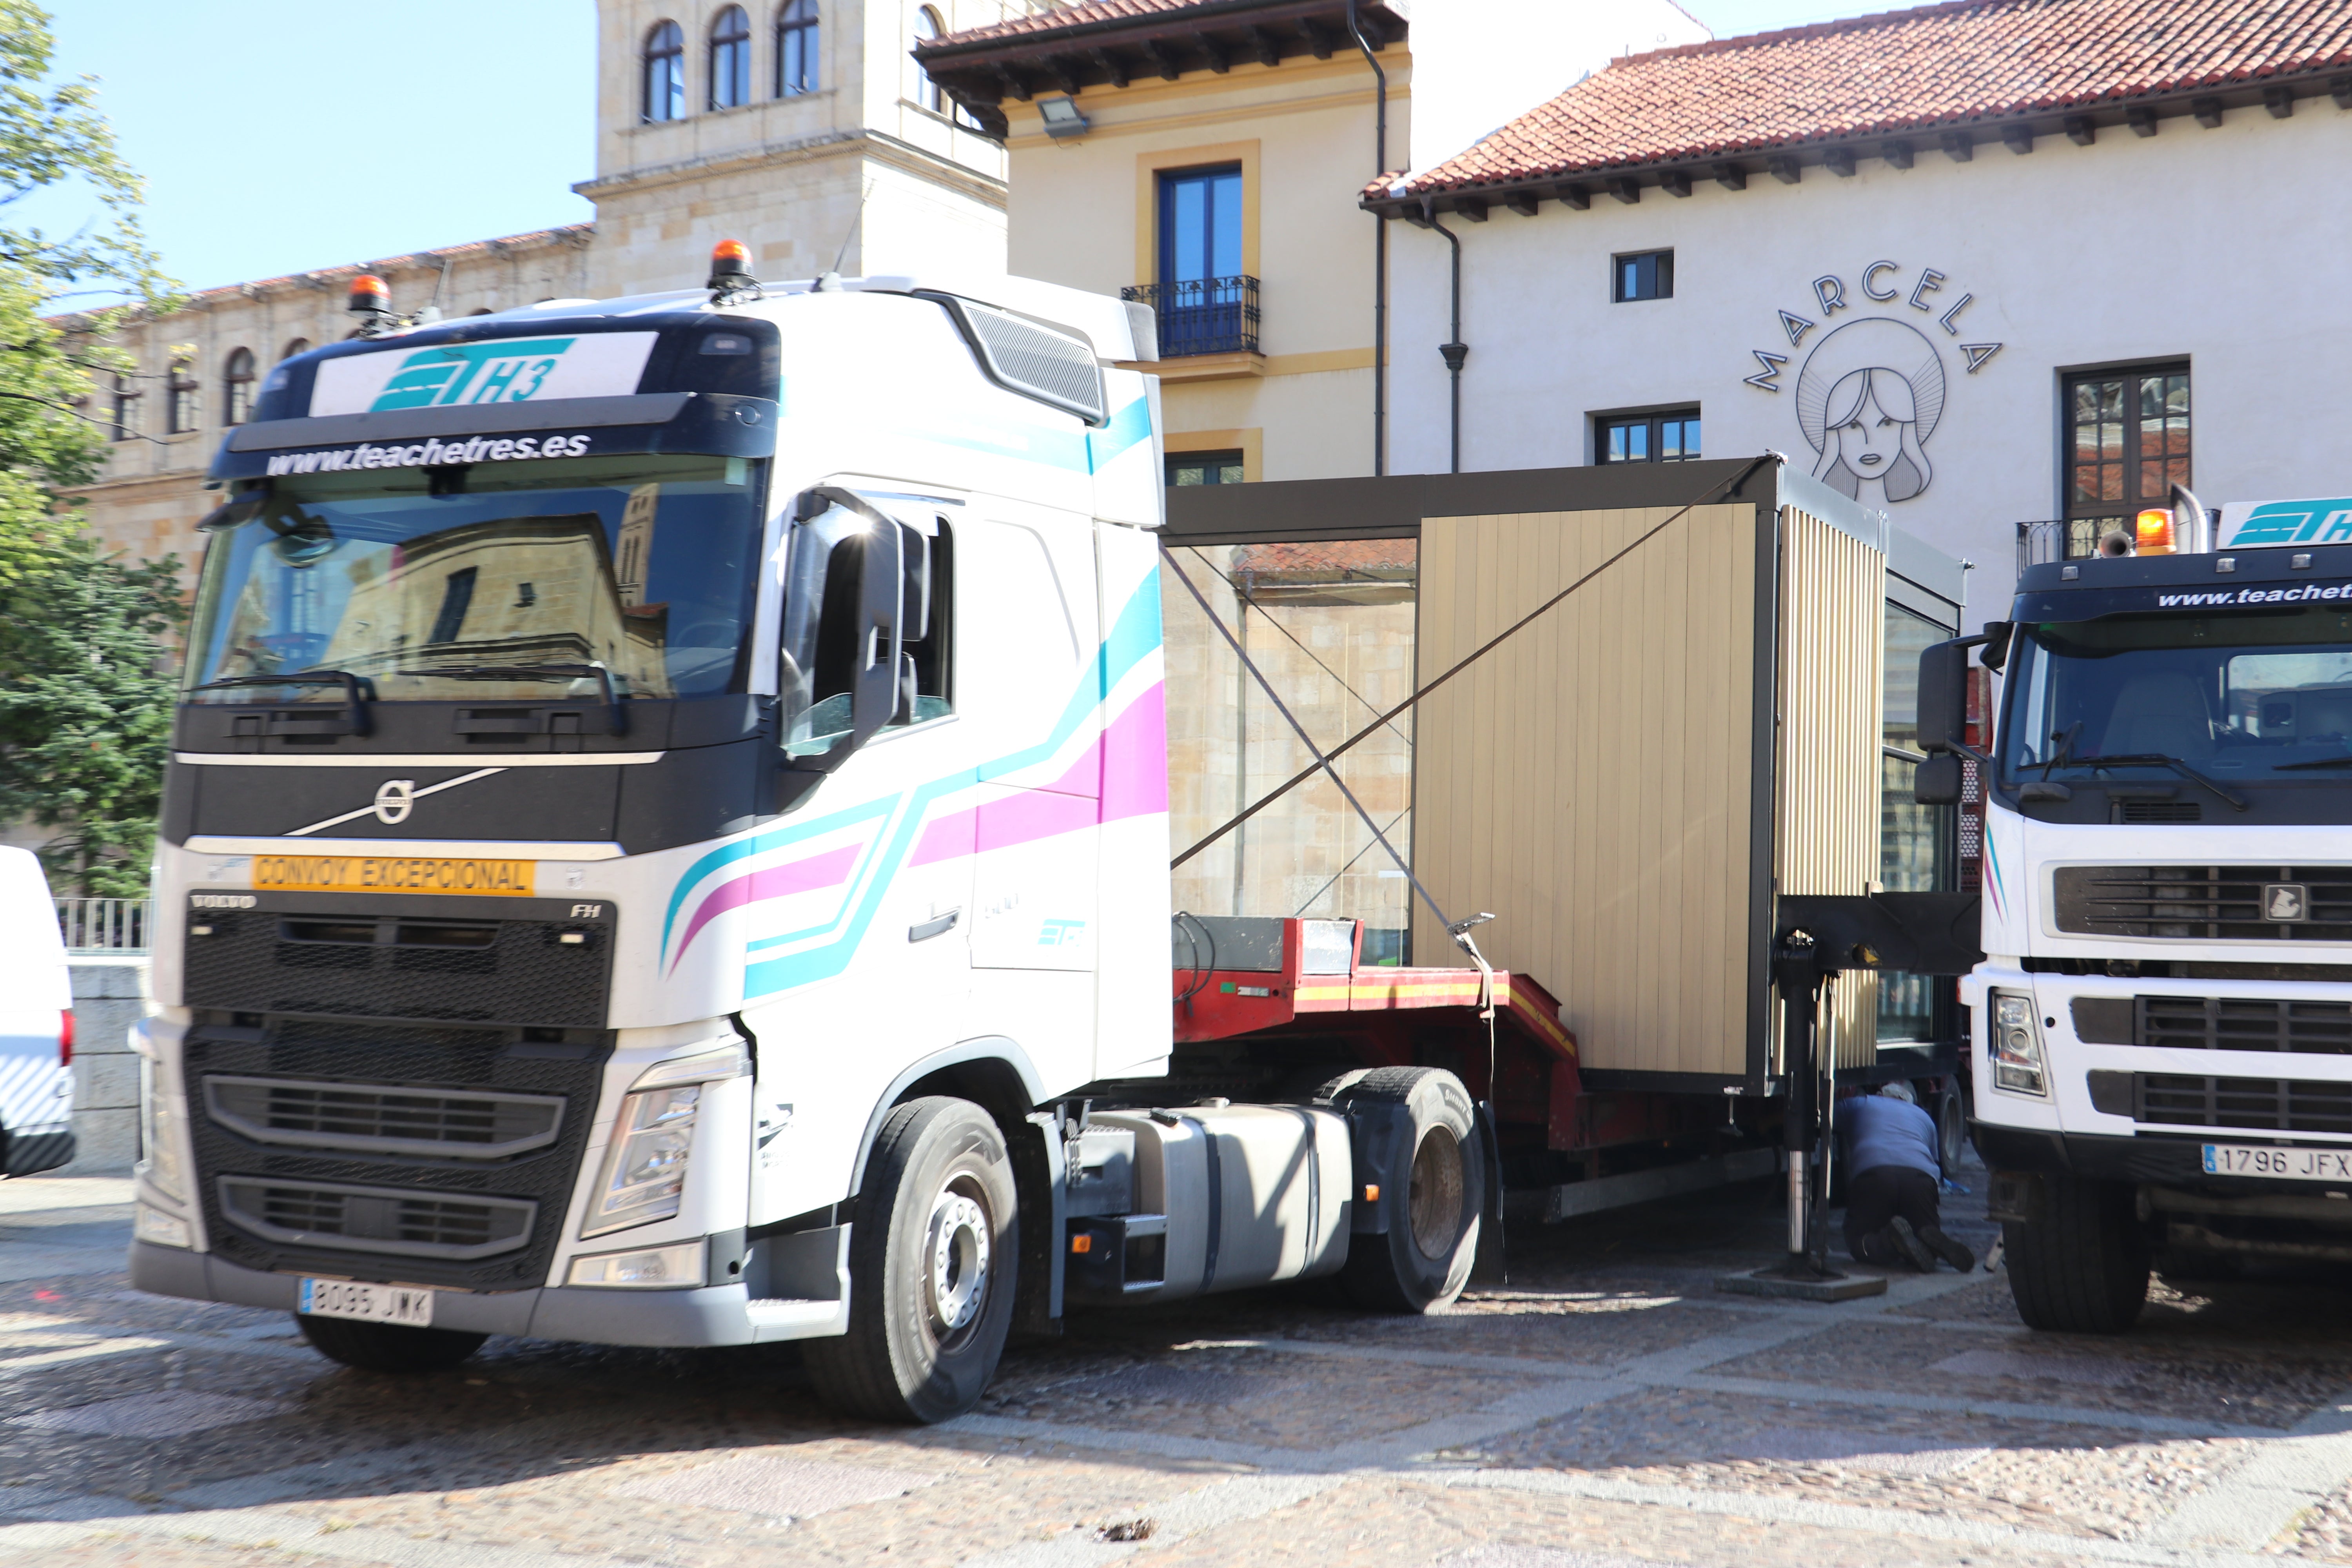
[(1937, 66), (1073, 16)]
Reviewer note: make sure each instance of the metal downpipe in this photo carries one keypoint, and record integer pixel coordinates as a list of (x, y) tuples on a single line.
[(1453, 349), (1379, 253)]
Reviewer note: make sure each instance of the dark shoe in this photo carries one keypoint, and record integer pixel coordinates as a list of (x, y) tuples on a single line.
[(1950, 1251), (1907, 1242)]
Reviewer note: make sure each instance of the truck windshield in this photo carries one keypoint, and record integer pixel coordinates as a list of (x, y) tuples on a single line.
[(421, 581), (2256, 696)]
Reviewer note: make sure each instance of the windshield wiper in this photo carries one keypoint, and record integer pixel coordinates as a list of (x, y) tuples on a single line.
[(616, 717), (2158, 760), (358, 692), (2314, 763)]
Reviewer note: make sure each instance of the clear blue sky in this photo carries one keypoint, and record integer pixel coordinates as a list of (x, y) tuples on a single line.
[(277, 135)]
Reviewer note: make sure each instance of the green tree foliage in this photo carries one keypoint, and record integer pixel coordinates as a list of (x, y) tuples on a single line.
[(86, 713), (85, 705)]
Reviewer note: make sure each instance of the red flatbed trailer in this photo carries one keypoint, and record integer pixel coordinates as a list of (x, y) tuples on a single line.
[(1588, 1150)]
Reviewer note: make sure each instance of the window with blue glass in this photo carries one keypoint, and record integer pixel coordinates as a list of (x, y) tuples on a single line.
[(1206, 305), (1667, 438)]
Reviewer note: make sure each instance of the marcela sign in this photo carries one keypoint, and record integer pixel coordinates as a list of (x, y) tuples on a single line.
[(1870, 390), (501, 370)]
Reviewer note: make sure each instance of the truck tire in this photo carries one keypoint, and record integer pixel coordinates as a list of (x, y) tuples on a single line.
[(1951, 1125), (934, 1262), (1440, 1176), (2083, 1267), (387, 1347)]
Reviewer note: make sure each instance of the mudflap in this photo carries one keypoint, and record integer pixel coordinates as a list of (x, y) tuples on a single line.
[(1487, 1268)]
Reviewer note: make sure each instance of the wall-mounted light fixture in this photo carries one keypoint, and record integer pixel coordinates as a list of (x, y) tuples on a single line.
[(1062, 118)]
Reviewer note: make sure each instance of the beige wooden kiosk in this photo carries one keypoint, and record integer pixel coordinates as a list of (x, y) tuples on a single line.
[(1626, 783)]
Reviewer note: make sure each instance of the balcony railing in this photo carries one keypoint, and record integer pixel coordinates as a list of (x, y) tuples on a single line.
[(2063, 539), (105, 925), (1204, 316)]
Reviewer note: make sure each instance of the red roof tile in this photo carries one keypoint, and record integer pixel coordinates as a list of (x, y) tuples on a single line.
[(1947, 65), (1070, 16)]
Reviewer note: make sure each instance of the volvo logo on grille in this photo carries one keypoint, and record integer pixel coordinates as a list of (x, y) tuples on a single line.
[(395, 799), (2285, 901)]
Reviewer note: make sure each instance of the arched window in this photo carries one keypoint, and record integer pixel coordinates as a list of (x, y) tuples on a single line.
[(180, 403), (730, 58), (927, 28), (237, 387), (665, 73), (296, 346), (796, 37)]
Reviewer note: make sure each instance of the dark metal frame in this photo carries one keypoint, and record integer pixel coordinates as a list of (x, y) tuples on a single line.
[(1603, 423), (2076, 510)]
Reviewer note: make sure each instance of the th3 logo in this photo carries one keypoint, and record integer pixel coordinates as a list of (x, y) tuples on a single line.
[(508, 371)]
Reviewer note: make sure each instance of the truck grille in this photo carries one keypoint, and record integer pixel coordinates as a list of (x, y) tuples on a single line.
[(383, 1119), (2230, 1023), (2212, 903), (430, 1154), (376, 1219), (483, 971), (2257, 1104)]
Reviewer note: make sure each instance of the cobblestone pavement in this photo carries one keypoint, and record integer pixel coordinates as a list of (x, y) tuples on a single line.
[(1608, 1408)]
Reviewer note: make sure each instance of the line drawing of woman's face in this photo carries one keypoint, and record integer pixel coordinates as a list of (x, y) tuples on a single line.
[(1873, 437)]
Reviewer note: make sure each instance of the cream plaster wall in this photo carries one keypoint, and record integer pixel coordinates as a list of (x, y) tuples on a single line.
[(1081, 214), (2204, 245)]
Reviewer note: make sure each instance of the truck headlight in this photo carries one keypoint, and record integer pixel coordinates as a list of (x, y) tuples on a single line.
[(159, 1150), (2015, 1048), (645, 1169)]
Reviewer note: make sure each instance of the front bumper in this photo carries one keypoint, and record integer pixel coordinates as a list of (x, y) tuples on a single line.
[(713, 1315), (2176, 1162)]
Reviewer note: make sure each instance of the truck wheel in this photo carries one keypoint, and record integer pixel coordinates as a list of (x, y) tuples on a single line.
[(1951, 1125), (934, 1255), (387, 1347), (1439, 1177), (2083, 1267)]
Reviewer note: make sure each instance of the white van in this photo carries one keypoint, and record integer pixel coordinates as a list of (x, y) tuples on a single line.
[(35, 1024)]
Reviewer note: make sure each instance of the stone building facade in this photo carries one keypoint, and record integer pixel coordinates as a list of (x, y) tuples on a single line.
[(802, 126)]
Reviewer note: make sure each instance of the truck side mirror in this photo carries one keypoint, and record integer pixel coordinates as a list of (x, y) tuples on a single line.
[(1944, 695), (1937, 781), (874, 682)]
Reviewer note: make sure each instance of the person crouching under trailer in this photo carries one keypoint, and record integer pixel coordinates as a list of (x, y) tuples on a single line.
[(1894, 1174)]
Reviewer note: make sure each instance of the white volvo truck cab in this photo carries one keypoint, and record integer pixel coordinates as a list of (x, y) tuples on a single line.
[(2162, 1022), (667, 844)]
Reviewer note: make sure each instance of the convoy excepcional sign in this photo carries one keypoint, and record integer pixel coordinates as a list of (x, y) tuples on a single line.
[(501, 370), (393, 874)]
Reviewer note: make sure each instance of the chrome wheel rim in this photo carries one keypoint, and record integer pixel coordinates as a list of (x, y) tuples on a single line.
[(1434, 1199), (956, 1253)]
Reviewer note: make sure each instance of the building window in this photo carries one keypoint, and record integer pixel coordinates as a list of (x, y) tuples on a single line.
[(1205, 302), (665, 73), (1669, 438), (927, 28), (2127, 444), (1644, 275), (180, 399), (296, 346), (236, 388), (796, 37), (731, 60), (1204, 468), (1916, 843), (125, 422)]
